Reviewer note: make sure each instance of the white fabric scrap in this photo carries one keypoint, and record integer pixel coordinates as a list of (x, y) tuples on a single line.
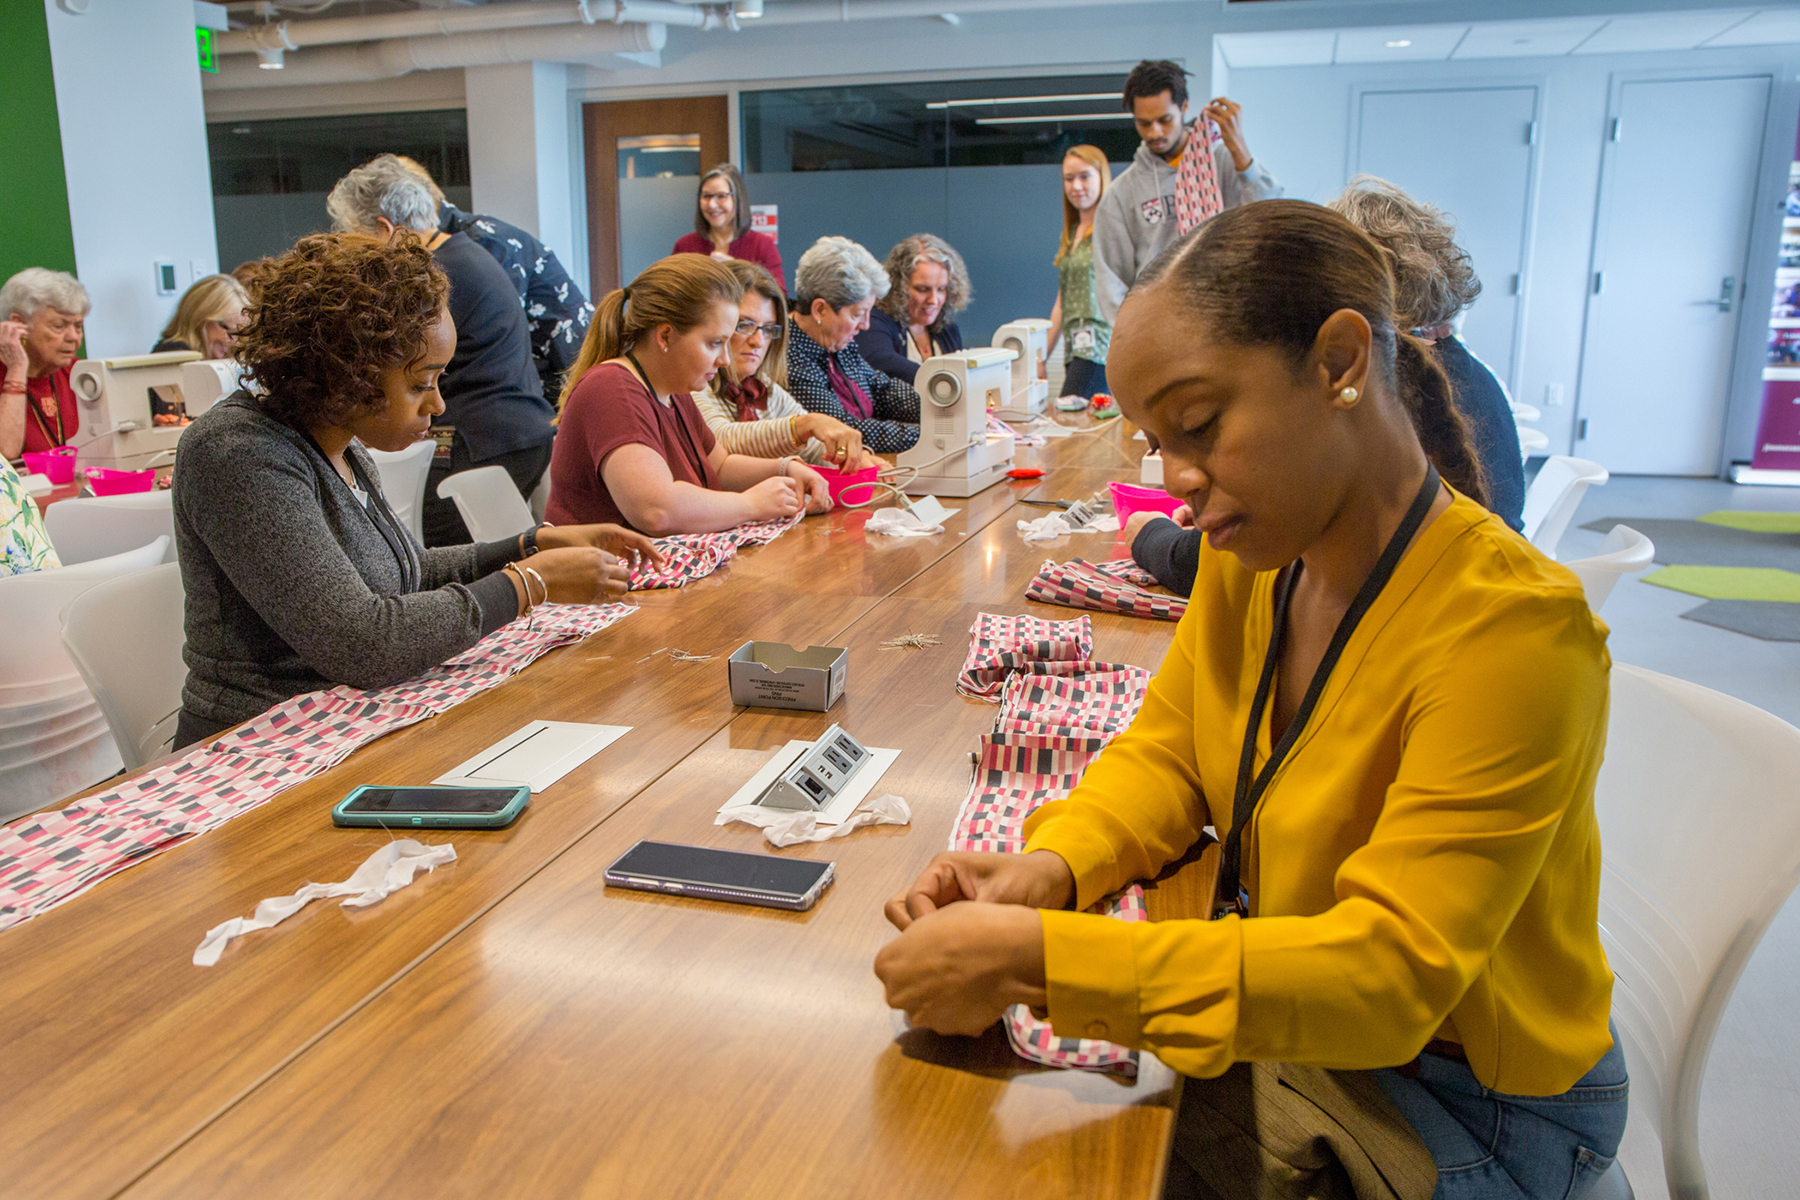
[(1057, 525), (897, 522), (786, 828), (387, 870)]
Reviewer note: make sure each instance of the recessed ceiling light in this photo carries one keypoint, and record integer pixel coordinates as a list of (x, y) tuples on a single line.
[(1399, 44)]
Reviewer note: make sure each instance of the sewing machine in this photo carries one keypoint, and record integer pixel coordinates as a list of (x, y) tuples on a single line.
[(205, 383), (956, 455), (1027, 395), (132, 410)]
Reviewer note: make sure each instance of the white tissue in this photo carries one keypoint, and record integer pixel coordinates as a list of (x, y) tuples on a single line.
[(1057, 525), (387, 870), (783, 828), (897, 522)]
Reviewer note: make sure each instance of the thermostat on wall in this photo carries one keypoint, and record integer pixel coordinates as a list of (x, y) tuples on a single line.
[(166, 283)]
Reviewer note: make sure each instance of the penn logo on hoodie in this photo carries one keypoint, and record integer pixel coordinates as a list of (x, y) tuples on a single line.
[(1156, 208)]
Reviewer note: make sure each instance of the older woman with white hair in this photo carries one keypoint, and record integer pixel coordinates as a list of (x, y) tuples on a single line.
[(495, 413), (836, 285), (42, 315), (927, 286)]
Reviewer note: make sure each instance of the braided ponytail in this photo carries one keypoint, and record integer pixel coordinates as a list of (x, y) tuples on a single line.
[(1443, 430)]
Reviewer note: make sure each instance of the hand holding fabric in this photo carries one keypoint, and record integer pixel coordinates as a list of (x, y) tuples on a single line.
[(958, 969), (1039, 880)]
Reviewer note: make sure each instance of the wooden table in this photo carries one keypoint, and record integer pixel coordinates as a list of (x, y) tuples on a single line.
[(507, 1026)]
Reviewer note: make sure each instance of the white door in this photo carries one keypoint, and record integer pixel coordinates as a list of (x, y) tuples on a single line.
[(1469, 151), (1678, 184)]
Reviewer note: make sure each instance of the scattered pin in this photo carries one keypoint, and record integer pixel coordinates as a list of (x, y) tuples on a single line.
[(911, 641)]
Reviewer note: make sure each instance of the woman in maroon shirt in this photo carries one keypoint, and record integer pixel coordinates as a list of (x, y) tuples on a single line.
[(722, 224), (42, 314), (631, 443)]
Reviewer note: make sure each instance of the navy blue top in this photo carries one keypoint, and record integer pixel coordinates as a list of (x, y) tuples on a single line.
[(491, 391), (883, 345), (1484, 405)]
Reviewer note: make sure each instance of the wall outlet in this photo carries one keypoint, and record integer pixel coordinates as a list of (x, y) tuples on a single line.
[(1553, 395)]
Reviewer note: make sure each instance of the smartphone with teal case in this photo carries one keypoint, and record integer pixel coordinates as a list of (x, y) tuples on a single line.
[(431, 807)]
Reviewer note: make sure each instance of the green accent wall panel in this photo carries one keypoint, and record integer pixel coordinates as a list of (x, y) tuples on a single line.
[(34, 194)]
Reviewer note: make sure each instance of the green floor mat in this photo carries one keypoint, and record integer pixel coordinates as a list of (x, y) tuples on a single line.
[(1730, 583), (1755, 522)]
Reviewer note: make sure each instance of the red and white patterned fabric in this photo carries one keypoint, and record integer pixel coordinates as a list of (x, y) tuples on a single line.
[(1119, 586), (1056, 716), (998, 646), (694, 556), (1197, 196), (52, 857)]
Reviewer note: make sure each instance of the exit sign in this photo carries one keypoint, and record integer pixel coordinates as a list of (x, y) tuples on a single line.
[(209, 61)]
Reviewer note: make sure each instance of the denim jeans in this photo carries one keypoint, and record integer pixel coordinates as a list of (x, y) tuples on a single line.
[(1489, 1145), (1083, 378)]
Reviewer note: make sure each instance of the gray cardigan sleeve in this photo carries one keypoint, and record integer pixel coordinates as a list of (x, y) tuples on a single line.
[(265, 526)]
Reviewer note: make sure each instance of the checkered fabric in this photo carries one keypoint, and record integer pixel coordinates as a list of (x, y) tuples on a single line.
[(1197, 195), (1114, 586), (1056, 716), (998, 646), (694, 556), (52, 857)]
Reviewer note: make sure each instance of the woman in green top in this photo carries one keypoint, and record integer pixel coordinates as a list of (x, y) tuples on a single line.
[(1077, 313)]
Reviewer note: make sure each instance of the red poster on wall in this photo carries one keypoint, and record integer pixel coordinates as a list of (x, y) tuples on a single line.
[(763, 219)]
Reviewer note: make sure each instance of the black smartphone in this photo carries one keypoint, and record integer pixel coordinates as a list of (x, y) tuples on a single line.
[(791, 883), (431, 807)]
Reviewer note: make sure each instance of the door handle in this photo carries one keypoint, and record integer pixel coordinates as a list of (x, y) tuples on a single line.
[(1727, 294)]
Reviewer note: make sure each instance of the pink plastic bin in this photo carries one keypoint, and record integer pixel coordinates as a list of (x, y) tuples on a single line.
[(58, 464), (119, 483), (1129, 498), (856, 484)]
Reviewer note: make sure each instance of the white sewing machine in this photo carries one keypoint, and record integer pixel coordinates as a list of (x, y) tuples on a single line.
[(956, 455), (134, 409), (1027, 395)]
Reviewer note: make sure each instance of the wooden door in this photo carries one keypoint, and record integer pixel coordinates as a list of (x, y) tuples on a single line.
[(604, 123)]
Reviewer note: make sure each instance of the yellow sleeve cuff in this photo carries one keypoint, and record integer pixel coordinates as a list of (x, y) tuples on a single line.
[(1087, 838), (1090, 970)]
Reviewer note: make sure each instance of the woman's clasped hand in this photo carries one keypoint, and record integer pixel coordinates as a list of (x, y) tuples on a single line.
[(971, 943), (589, 564)]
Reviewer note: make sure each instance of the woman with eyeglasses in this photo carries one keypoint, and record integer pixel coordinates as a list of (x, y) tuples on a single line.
[(722, 225), (208, 318), (632, 443), (748, 406)]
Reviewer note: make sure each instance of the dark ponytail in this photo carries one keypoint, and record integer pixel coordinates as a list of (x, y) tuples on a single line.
[(1270, 273)]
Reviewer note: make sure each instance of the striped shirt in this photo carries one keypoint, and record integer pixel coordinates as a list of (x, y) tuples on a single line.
[(770, 437)]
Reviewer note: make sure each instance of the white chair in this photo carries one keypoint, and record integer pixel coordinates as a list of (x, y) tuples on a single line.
[(1624, 552), (1553, 497), (403, 475), (1700, 833), (1523, 413), (125, 637), (1531, 441), (54, 739), (86, 528), (540, 496), (489, 502)]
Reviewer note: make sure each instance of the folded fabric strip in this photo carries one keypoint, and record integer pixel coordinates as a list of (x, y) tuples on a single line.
[(1056, 716), (49, 858), (1117, 586), (692, 556)]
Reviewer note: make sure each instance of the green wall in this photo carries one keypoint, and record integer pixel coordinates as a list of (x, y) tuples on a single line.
[(34, 196)]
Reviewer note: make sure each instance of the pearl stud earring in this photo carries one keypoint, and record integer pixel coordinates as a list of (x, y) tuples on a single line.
[(1348, 395)]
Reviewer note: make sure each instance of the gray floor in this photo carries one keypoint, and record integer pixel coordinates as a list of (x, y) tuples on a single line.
[(1750, 1104)]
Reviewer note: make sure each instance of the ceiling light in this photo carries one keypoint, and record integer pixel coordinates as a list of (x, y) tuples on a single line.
[(1024, 99), (270, 60), (1066, 118), (1399, 44), (745, 9)]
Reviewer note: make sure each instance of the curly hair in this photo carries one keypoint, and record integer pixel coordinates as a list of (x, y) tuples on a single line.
[(332, 314), (1434, 278), (907, 255)]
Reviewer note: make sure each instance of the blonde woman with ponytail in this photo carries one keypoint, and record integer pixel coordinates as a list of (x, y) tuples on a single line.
[(1403, 982), (1076, 315), (631, 443)]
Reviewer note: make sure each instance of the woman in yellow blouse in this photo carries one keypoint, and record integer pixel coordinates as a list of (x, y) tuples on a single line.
[(1410, 759)]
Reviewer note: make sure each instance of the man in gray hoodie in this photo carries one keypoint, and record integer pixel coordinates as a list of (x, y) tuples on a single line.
[(1136, 218)]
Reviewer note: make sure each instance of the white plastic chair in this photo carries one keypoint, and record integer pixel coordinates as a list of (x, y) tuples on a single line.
[(1700, 837), (1553, 497), (1523, 413), (86, 528), (540, 496), (1531, 441), (54, 740), (1624, 552), (403, 475), (489, 502), (125, 638)]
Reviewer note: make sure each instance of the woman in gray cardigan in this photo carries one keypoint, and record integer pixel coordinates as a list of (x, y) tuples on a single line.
[(298, 575)]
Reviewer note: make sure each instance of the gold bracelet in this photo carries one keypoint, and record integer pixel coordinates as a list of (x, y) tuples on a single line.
[(794, 429), (531, 571), (525, 586)]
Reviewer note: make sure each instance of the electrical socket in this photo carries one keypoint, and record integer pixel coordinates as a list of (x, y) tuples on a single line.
[(1553, 395)]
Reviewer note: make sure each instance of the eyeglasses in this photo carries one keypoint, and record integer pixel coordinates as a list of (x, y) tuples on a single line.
[(746, 327)]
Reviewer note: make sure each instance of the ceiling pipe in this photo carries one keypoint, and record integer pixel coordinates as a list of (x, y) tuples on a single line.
[(373, 61), (814, 12), (329, 31)]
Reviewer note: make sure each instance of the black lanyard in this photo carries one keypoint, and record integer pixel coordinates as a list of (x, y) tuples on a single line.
[(37, 410), (687, 439), (1229, 896)]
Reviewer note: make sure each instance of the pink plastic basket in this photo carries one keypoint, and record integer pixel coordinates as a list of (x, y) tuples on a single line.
[(58, 464), (852, 488), (1129, 498), (119, 483)]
